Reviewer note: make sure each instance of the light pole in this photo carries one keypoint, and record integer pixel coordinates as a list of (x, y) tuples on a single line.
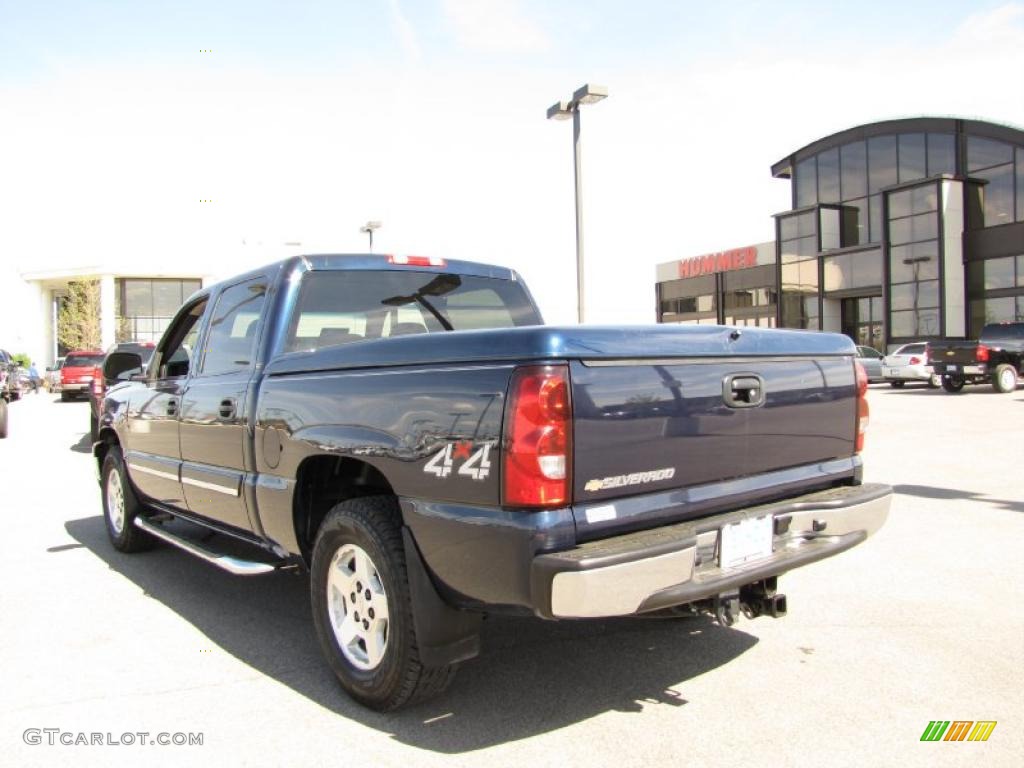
[(368, 228), (563, 110), (916, 263)]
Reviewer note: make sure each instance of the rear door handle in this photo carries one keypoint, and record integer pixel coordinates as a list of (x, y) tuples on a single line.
[(227, 408)]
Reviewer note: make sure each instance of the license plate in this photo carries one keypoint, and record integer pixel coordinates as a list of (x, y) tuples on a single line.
[(746, 541)]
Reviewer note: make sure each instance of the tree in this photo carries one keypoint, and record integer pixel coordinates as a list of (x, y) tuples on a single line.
[(78, 319)]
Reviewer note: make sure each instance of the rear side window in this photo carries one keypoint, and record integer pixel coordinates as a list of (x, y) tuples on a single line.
[(912, 349), (341, 307), (83, 361), (231, 342)]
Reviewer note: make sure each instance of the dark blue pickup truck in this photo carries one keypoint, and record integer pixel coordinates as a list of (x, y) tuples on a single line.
[(406, 430)]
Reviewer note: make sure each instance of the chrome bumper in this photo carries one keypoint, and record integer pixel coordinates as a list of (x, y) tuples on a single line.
[(678, 564)]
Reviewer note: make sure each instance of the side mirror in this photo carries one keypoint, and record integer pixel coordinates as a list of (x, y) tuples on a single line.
[(118, 363), (49, 369)]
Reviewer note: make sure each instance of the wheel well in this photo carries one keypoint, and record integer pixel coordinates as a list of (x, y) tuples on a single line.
[(323, 481), (107, 440)]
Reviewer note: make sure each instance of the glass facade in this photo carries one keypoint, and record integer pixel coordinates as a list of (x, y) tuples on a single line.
[(901, 230), (144, 307)]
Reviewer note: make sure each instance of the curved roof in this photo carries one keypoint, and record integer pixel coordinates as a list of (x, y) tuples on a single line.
[(783, 169)]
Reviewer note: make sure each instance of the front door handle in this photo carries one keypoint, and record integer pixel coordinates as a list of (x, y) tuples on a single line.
[(227, 408), (172, 407)]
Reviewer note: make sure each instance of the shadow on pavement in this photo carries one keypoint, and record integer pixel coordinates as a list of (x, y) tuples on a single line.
[(84, 444), (532, 676), (930, 492)]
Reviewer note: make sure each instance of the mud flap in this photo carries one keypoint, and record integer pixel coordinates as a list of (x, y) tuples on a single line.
[(444, 635)]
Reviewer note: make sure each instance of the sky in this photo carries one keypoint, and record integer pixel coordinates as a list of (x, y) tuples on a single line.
[(300, 121)]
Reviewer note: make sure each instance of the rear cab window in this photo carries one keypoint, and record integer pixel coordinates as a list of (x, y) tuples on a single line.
[(345, 306)]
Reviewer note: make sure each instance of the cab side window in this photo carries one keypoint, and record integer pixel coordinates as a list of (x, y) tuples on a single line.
[(176, 354), (231, 341)]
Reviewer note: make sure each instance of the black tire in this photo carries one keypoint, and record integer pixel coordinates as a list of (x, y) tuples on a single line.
[(65, 396), (1004, 379), (126, 537), (953, 383), (399, 678), (897, 384), (94, 428), (3, 418)]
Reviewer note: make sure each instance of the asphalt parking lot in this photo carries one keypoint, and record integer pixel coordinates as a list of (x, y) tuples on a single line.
[(923, 622)]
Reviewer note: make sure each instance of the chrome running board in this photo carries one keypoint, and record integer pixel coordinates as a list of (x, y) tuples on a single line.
[(230, 564)]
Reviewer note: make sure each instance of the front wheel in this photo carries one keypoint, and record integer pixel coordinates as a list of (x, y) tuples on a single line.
[(897, 384), (953, 383), (121, 505), (1005, 378), (362, 608)]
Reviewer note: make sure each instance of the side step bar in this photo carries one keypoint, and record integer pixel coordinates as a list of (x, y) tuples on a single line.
[(230, 564)]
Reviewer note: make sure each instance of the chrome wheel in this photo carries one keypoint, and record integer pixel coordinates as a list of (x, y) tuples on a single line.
[(358, 607), (115, 502), (1007, 379)]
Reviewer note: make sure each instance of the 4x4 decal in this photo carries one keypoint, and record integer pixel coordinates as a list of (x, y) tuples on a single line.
[(475, 464)]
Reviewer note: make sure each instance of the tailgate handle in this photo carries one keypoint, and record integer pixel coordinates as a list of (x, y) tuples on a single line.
[(743, 390)]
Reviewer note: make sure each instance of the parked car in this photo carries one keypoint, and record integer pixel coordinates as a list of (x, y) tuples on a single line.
[(10, 378), (106, 375), (909, 363), (997, 357), (77, 373), (871, 359), (407, 430), (53, 375)]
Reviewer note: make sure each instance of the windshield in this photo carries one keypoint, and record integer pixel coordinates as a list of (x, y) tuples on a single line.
[(83, 361), (341, 307)]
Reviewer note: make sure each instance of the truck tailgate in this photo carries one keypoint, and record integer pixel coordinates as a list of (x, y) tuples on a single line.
[(649, 426)]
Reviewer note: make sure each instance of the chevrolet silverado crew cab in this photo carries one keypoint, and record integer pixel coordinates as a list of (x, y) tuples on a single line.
[(405, 429), (997, 357)]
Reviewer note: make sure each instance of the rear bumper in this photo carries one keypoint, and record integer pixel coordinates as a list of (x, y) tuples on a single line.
[(77, 387), (678, 564), (908, 373), (959, 369)]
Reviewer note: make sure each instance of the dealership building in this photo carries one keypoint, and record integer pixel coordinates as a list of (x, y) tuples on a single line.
[(899, 231)]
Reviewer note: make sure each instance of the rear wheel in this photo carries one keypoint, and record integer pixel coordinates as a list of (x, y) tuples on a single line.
[(897, 384), (953, 383), (121, 505), (362, 607), (1005, 378), (65, 396), (3, 418)]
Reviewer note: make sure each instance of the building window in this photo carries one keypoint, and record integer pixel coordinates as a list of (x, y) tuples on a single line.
[(689, 301), (994, 161), (144, 307), (749, 296), (996, 291), (914, 296), (798, 248), (862, 269)]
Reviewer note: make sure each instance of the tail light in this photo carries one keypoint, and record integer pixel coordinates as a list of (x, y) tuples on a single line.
[(99, 386), (915, 360), (981, 353), (538, 438), (862, 406)]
